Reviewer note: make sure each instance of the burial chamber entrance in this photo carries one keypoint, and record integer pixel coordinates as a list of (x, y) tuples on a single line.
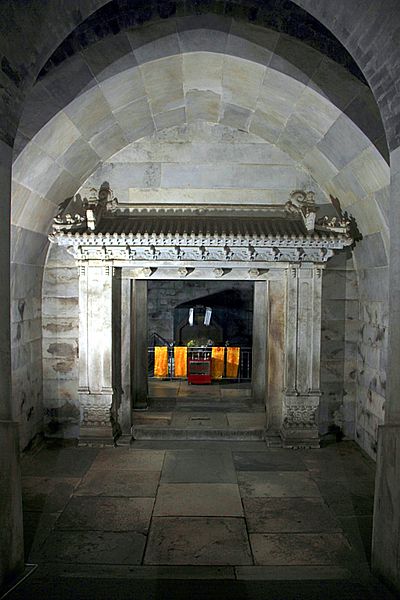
[(127, 257)]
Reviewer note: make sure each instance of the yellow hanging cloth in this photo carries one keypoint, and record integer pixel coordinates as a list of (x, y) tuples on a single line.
[(232, 362), (160, 361), (217, 362), (180, 360)]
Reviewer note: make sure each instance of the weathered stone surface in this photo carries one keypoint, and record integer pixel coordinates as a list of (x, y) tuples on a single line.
[(47, 494), (385, 558), (264, 484), (269, 460), (189, 466), (198, 541), (12, 545), (198, 499), (123, 548), (64, 462), (299, 548), (129, 459), (289, 515), (117, 483), (107, 514)]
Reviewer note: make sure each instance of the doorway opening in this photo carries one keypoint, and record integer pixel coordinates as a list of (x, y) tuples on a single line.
[(200, 336)]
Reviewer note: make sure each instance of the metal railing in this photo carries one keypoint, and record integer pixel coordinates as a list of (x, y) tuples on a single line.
[(199, 353)]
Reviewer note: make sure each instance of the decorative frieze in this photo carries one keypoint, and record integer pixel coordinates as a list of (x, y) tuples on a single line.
[(125, 250)]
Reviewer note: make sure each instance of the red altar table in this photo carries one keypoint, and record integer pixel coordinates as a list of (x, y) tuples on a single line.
[(199, 370)]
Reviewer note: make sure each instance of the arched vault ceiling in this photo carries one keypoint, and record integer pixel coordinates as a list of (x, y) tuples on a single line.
[(183, 88), (32, 36), (212, 33)]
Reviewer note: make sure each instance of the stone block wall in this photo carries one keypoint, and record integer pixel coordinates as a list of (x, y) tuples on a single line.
[(60, 327), (339, 336), (373, 273), (26, 345)]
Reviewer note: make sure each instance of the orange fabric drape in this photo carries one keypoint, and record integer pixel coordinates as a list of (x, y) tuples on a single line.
[(160, 361), (180, 359), (217, 362), (232, 361)]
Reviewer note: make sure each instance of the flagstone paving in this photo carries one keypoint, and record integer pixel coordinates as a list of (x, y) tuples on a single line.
[(194, 508)]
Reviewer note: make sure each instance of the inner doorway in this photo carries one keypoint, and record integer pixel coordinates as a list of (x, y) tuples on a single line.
[(200, 337)]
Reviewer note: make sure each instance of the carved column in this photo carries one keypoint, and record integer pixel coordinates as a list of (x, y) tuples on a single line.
[(125, 365), (302, 360), (260, 327), (139, 361), (95, 350)]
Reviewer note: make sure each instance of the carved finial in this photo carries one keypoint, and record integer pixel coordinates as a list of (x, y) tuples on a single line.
[(303, 203), (77, 214)]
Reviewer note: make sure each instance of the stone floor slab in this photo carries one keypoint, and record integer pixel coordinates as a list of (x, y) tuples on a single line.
[(299, 548), (276, 484), (91, 547), (187, 390), (47, 494), (196, 420), (230, 392), (59, 462), (270, 459), (342, 501), (119, 483), (247, 421), (292, 573), (163, 389), (129, 459), (152, 419), (154, 572), (211, 445), (198, 541), (37, 528), (198, 499), (107, 514), (288, 515), (198, 466)]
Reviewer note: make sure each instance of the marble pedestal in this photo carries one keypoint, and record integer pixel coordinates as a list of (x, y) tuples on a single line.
[(97, 422), (299, 428)]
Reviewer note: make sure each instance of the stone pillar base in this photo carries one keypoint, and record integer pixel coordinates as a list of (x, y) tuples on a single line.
[(386, 528), (96, 427), (299, 428), (296, 437), (11, 537)]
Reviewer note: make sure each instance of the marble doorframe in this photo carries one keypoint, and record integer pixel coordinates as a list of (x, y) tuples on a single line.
[(286, 323)]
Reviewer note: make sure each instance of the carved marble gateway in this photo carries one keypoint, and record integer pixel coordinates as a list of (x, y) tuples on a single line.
[(98, 229), (288, 244)]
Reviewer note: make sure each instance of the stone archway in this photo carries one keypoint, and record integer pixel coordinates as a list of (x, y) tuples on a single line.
[(338, 22)]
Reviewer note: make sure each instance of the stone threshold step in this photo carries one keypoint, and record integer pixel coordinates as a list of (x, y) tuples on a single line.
[(199, 572), (164, 433)]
